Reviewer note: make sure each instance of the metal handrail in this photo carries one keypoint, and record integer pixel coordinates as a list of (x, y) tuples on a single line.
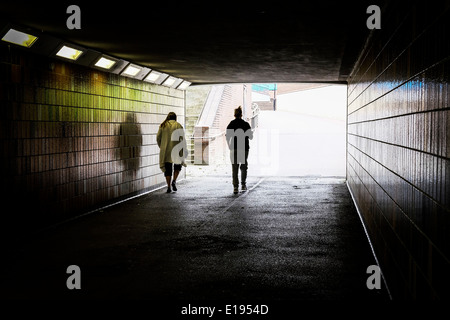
[(223, 132), (210, 137)]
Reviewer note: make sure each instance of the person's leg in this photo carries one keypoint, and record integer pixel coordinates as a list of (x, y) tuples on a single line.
[(176, 172), (244, 167), (235, 168), (175, 175), (168, 175)]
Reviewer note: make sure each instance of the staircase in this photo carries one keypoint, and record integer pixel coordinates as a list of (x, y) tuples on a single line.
[(211, 108), (195, 100)]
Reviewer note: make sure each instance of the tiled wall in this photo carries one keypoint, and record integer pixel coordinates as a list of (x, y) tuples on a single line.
[(399, 146), (73, 138)]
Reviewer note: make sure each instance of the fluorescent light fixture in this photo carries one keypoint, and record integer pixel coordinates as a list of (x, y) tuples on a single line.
[(69, 53), (20, 38), (184, 85), (153, 76), (131, 70), (119, 66), (169, 81), (105, 63)]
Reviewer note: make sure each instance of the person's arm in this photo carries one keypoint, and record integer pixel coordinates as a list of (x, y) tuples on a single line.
[(229, 135), (184, 144), (249, 131), (158, 137)]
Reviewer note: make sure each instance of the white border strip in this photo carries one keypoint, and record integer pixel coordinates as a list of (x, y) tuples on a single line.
[(100, 209), (243, 195), (368, 238)]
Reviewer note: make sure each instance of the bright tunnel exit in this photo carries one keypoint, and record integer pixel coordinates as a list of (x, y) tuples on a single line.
[(304, 135), (299, 128)]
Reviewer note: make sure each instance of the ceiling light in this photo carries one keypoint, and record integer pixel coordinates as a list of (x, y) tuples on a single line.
[(153, 76), (169, 81), (119, 66), (184, 85), (131, 71), (105, 63), (19, 38), (69, 53)]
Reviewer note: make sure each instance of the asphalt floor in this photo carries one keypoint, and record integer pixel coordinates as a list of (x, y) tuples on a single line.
[(286, 239)]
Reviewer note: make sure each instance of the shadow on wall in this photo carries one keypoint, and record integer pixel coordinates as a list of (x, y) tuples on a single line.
[(130, 145), (39, 195)]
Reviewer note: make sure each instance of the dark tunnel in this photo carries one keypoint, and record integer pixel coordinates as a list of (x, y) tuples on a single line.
[(84, 91)]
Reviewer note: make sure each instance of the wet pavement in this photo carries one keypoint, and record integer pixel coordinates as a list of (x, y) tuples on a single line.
[(285, 239)]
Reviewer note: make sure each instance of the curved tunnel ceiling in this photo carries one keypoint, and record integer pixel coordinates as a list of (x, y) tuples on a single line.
[(216, 42)]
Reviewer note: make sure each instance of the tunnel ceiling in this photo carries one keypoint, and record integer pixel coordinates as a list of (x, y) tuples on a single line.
[(216, 42)]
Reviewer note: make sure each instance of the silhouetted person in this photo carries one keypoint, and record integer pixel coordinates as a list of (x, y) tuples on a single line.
[(238, 135), (173, 149)]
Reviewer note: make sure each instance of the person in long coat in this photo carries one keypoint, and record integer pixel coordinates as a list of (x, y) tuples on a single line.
[(173, 149)]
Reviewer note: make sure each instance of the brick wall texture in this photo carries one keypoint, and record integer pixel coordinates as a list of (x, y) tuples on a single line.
[(73, 139), (398, 165)]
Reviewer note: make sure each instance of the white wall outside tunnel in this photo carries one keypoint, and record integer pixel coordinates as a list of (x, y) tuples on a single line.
[(305, 136)]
